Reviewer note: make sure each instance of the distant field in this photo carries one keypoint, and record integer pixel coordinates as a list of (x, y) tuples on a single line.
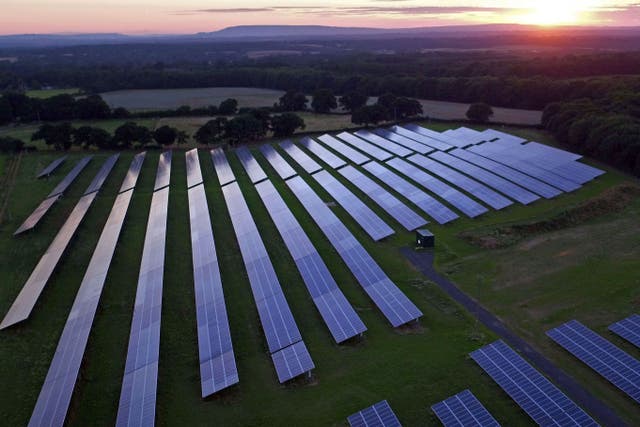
[(48, 93), (159, 99)]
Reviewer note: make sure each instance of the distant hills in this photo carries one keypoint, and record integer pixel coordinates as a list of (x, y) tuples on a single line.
[(304, 32)]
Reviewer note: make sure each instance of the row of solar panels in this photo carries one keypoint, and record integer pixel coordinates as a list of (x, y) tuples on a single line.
[(537, 396)]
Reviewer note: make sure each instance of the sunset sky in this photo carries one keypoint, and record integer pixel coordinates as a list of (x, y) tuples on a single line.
[(190, 16)]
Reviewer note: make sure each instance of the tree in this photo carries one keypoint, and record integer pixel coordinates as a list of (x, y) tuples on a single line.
[(9, 144), (353, 100), (286, 124), (323, 101), (120, 113), (228, 107), (6, 112), (59, 107), (369, 114), (182, 137), (86, 136), (406, 107), (92, 107), (57, 135), (244, 128), (479, 112), (165, 135), (211, 131), (129, 133), (292, 100), (387, 100)]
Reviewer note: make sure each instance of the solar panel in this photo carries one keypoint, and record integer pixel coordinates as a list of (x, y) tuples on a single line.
[(432, 207), (384, 143), (539, 398), (463, 410), (409, 143), (467, 205), (494, 181), (614, 364), (102, 174), (137, 402), (431, 143), (194, 174), (52, 167), (378, 415), (307, 163), (473, 187), (163, 174), (336, 311), (325, 155), (250, 165), (280, 165), (496, 134), (629, 329), (353, 155), (53, 402), (131, 178), (277, 321), (370, 222), (523, 180), (393, 303), (292, 361), (364, 146), (221, 165), (35, 217), (217, 362), (450, 141), (394, 207), (71, 176)]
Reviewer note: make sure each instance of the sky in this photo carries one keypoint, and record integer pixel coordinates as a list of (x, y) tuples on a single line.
[(191, 16)]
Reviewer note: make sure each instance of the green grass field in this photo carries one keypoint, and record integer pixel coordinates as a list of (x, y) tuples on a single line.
[(530, 287), (48, 93)]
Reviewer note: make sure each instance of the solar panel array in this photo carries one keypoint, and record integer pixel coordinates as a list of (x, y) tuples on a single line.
[(614, 364), (131, 178), (393, 303), (412, 145), (446, 139), (327, 156), (384, 143), (276, 318), (494, 181), (364, 146), (629, 329), (353, 155), (102, 174), (70, 177), (370, 222), (302, 158), (281, 167), (221, 166), (432, 207), (216, 357), (459, 200), (463, 410), (473, 187), (55, 396), (52, 167), (336, 311), (250, 165), (377, 415), (394, 207), (137, 404), (536, 395), (194, 174), (422, 139)]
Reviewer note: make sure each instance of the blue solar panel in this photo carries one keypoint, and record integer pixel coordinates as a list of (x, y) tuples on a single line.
[(364, 146), (194, 174), (54, 399), (384, 143), (353, 155), (432, 207), (394, 207), (617, 366), (292, 361), (473, 187), (467, 205), (131, 178), (102, 174), (523, 180), (409, 143), (422, 139), (51, 167), (277, 321), (629, 329), (71, 176), (302, 158), (277, 162), (325, 155), (251, 165), (506, 187), (163, 175), (539, 398), (378, 415), (371, 223), (393, 303), (337, 313), (450, 141), (463, 410), (217, 362), (222, 167)]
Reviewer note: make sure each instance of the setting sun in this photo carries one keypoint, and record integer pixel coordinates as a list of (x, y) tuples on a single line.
[(554, 12)]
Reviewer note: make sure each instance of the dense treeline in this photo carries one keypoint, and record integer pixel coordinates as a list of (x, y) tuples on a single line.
[(607, 129)]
